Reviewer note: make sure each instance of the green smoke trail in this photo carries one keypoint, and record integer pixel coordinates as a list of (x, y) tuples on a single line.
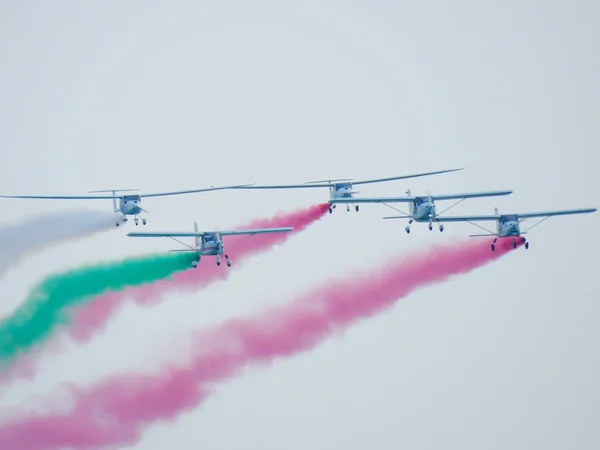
[(47, 306)]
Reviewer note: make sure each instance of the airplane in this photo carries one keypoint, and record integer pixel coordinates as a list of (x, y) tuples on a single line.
[(342, 188), (129, 205), (509, 225), (423, 208), (208, 243)]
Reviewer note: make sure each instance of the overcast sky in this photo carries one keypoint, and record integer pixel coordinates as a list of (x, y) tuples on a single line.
[(174, 95)]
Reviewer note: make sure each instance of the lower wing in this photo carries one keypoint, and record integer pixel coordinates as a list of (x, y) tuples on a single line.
[(465, 218), (203, 233), (57, 197), (563, 212), (256, 231), (373, 200), (404, 177), (193, 191), (471, 195)]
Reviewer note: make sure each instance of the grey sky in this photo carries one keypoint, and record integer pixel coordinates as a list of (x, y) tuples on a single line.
[(170, 95)]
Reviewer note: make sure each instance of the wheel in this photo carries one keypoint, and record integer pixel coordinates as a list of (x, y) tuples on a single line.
[(526, 245), (117, 224), (143, 221), (330, 211), (407, 230), (228, 263), (514, 244), (430, 228), (194, 264), (493, 247), (441, 228), (356, 208), (218, 263)]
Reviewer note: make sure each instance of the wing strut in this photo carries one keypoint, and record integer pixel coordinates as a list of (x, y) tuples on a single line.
[(536, 224)]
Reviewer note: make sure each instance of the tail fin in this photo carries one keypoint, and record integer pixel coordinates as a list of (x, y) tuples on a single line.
[(196, 238)]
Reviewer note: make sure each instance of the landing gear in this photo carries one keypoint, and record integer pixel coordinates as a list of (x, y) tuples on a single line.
[(494, 244), (514, 243), (407, 229), (441, 227), (331, 208), (136, 220), (226, 259)]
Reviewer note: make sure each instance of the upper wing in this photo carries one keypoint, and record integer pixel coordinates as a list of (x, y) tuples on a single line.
[(465, 218), (58, 197), (166, 234), (202, 233), (402, 177), (256, 231), (372, 200), (557, 213), (160, 194), (284, 186), (470, 195)]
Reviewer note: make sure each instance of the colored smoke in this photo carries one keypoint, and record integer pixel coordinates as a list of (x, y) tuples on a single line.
[(46, 308), (45, 230), (115, 410), (94, 316)]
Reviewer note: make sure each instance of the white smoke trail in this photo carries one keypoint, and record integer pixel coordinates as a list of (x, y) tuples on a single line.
[(43, 231)]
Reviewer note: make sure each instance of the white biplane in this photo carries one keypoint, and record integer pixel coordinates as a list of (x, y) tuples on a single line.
[(129, 205), (509, 225), (208, 243), (423, 208), (343, 188)]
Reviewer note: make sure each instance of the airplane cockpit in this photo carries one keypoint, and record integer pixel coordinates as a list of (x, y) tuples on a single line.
[(338, 186), (211, 237), (420, 200), (509, 218), (132, 198)]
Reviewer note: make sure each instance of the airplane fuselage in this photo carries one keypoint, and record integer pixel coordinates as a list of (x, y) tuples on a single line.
[(211, 245), (130, 205), (211, 248), (341, 190), (508, 226), (423, 209)]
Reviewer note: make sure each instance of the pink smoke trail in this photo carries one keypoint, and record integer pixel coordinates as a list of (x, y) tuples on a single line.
[(91, 317), (116, 410)]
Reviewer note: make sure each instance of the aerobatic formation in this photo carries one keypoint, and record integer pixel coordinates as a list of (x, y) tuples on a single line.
[(78, 303)]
